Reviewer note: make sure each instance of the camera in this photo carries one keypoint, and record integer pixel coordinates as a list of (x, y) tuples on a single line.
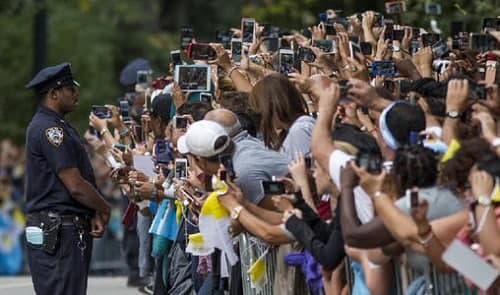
[(439, 49), (395, 7), (306, 54), (477, 91), (398, 35), (206, 98), (273, 187), (482, 42), (101, 112), (193, 77), (143, 77), (370, 161), (491, 24)]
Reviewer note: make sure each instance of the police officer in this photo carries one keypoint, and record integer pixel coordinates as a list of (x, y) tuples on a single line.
[(65, 210)]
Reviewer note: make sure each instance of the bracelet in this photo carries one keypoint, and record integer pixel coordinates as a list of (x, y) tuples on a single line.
[(377, 195), (482, 220), (425, 242), (103, 131), (231, 70)]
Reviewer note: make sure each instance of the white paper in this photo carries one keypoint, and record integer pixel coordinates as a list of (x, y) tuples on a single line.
[(145, 165), (470, 265)]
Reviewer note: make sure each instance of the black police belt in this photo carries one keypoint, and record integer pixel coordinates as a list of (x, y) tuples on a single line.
[(45, 219)]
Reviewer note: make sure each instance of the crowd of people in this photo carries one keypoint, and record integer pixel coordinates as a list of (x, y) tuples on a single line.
[(306, 168)]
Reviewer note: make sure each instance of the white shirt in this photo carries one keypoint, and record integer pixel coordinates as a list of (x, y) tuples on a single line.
[(364, 205)]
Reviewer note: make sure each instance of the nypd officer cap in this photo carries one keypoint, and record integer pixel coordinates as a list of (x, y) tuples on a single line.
[(52, 77)]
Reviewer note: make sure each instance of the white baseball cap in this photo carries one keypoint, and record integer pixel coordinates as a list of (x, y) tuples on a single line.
[(204, 138)]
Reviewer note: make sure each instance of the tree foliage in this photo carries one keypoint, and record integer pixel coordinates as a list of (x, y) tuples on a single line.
[(99, 37)]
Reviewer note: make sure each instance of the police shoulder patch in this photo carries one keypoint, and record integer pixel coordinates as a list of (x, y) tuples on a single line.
[(55, 135)]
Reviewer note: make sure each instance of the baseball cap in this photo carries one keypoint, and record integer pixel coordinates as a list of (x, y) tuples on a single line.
[(205, 139)]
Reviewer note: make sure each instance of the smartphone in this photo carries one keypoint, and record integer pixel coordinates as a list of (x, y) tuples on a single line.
[(286, 61), (163, 153), (327, 46), (206, 97), (273, 187), (384, 68), (308, 161), (343, 89), (193, 77), (143, 78), (433, 9), (477, 91), (364, 110), (389, 29), (371, 162), (187, 35), (404, 86), (482, 42), (223, 37), (430, 39), (122, 147), (223, 175), (248, 30), (180, 168), (306, 55), (398, 35), (330, 29), (414, 197), (227, 161), (236, 47), (139, 134), (180, 122), (366, 48), (271, 43), (395, 7), (124, 111), (353, 48), (470, 265), (175, 57), (439, 49), (201, 51), (101, 112), (491, 24)]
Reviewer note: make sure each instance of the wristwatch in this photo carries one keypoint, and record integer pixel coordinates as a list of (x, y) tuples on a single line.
[(484, 201), (453, 114), (235, 213)]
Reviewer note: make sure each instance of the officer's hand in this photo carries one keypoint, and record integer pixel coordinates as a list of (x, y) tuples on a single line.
[(97, 226)]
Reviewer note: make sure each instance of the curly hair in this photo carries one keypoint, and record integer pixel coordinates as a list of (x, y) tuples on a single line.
[(414, 165), (455, 172)]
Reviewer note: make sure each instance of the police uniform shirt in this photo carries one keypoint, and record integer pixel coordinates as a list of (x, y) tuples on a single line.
[(52, 145)]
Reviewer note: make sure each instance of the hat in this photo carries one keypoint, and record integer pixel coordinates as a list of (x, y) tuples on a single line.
[(160, 107), (352, 135), (128, 76), (205, 139), (52, 77)]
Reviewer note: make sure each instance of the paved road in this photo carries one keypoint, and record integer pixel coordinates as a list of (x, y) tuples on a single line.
[(97, 286)]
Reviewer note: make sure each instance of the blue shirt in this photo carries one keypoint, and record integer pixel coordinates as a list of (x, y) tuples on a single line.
[(52, 145)]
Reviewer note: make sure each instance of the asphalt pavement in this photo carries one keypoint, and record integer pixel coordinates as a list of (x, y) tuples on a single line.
[(97, 286)]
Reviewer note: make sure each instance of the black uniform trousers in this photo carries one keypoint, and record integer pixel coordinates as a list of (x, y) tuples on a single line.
[(65, 272)]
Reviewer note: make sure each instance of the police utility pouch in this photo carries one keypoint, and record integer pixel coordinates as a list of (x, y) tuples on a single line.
[(51, 236)]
